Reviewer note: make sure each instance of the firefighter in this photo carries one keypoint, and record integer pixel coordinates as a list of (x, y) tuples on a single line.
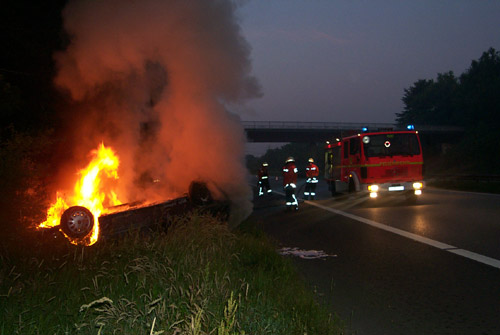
[(312, 173), (263, 176), (290, 172)]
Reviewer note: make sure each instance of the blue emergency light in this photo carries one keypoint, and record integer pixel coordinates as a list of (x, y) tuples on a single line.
[(364, 129), (410, 127)]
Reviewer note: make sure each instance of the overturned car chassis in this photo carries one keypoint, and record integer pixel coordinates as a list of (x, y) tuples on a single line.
[(77, 222)]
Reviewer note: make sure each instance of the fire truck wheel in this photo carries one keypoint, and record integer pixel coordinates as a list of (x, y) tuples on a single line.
[(352, 186), (77, 222), (199, 194), (411, 198), (333, 189)]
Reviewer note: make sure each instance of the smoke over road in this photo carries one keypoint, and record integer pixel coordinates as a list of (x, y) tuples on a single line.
[(151, 78)]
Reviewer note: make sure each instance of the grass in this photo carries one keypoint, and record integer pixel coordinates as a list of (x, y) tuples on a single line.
[(200, 278)]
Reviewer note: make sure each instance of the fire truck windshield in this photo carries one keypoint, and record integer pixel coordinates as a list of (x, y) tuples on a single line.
[(381, 145)]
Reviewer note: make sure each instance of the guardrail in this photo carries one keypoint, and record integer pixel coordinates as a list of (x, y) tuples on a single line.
[(475, 178)]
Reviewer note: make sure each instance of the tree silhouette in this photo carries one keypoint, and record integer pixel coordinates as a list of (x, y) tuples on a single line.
[(430, 102), (471, 101)]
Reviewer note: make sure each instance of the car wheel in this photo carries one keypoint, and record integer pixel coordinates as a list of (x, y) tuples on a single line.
[(77, 222), (199, 194)]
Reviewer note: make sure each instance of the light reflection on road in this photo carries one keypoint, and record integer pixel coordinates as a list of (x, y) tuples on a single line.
[(466, 220), (420, 225)]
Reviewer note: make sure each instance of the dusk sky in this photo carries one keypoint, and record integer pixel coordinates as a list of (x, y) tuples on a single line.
[(350, 61)]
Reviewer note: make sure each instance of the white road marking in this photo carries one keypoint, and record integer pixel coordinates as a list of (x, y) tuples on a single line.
[(443, 246)]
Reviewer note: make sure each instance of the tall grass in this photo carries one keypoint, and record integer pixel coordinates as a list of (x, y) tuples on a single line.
[(199, 278)]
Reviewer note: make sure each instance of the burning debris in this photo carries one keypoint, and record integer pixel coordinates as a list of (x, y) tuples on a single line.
[(152, 80)]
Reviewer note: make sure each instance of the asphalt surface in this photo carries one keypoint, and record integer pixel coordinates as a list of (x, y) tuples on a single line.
[(379, 282)]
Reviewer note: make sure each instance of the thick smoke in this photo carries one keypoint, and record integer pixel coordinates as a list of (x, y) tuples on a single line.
[(151, 78)]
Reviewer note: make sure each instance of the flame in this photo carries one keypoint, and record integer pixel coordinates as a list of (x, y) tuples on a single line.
[(91, 191)]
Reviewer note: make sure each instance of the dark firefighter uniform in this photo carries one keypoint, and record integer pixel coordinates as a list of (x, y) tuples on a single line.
[(312, 173), (263, 176), (290, 172)]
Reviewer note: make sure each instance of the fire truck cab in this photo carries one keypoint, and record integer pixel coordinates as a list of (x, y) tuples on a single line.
[(376, 163)]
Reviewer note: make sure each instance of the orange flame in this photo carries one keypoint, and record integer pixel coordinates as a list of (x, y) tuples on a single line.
[(91, 191)]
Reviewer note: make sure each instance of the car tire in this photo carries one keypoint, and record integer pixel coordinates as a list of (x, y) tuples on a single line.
[(77, 222), (199, 194)]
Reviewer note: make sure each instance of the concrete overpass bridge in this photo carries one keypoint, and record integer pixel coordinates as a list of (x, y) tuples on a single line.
[(319, 132)]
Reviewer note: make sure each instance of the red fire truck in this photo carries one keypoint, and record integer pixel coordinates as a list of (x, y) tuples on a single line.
[(386, 162)]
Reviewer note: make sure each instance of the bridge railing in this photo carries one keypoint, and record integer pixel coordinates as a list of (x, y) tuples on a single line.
[(340, 126)]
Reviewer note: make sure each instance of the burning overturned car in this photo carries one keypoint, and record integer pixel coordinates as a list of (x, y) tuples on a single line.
[(96, 212)]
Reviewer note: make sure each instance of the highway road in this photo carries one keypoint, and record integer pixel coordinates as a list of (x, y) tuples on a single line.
[(396, 268)]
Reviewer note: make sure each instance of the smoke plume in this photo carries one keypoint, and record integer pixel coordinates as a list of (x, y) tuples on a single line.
[(151, 78)]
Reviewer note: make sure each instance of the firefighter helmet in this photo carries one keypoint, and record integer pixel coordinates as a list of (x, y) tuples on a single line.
[(311, 160), (265, 164), (290, 159)]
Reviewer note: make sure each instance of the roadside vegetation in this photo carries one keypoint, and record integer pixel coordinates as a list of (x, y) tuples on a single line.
[(200, 278), (469, 185), (438, 174), (470, 101)]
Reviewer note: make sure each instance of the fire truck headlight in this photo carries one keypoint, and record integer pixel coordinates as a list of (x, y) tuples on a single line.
[(418, 192), (373, 188), (373, 194), (417, 186)]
